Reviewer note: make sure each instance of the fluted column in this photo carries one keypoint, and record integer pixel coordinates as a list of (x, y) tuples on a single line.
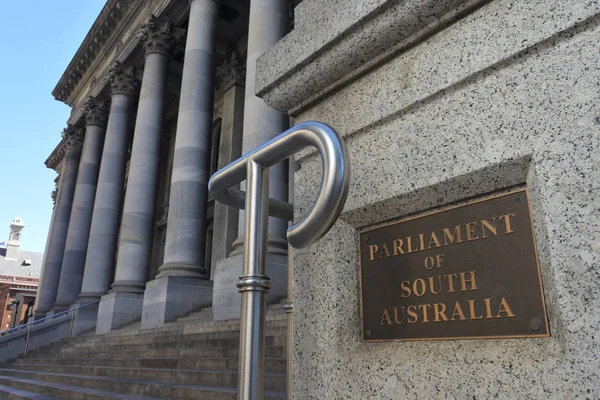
[(124, 303), (179, 287), (78, 234), (55, 248), (268, 24)]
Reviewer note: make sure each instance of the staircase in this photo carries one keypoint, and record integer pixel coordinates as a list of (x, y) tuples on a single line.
[(192, 358)]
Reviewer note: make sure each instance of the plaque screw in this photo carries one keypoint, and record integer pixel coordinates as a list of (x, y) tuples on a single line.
[(535, 324), (365, 238), (368, 332), (517, 200)]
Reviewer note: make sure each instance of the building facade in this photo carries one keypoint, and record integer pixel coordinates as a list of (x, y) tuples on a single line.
[(162, 96), (442, 104), (19, 279)]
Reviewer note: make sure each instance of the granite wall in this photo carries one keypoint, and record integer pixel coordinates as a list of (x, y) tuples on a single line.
[(482, 98)]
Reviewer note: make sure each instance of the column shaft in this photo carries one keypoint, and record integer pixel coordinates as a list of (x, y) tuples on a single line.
[(102, 244), (261, 122), (186, 228), (137, 223), (78, 234), (55, 249), (181, 285)]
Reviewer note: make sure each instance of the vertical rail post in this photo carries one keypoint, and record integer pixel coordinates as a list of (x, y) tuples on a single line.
[(254, 285), (72, 323), (27, 340)]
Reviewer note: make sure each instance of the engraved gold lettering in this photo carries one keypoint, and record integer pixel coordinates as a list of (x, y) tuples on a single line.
[(439, 309), (416, 290), (472, 310), (504, 308), (471, 234), (449, 238), (488, 308), (421, 241), (386, 252), (405, 286), (464, 281), (412, 312), (440, 260), (451, 282), (398, 243), (409, 245), (372, 250), (458, 312), (492, 228), (429, 263), (385, 317), (424, 308), (396, 319), (434, 241), (431, 285), (508, 228)]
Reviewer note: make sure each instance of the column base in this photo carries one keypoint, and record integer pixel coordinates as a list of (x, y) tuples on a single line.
[(118, 309), (57, 308), (85, 317), (39, 315), (227, 300), (170, 297)]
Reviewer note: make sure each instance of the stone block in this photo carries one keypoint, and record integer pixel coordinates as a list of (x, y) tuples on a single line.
[(118, 309), (227, 299), (170, 297)]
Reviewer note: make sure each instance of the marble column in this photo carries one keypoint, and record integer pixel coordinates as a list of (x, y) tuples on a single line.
[(123, 304), (78, 234), (181, 285), (46, 295), (261, 123), (106, 215)]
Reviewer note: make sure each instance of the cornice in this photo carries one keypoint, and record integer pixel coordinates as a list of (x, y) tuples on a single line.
[(103, 28), (57, 155)]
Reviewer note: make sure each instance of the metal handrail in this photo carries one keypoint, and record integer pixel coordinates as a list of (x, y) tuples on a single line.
[(51, 317), (253, 167)]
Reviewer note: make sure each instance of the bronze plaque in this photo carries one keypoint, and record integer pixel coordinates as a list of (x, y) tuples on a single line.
[(466, 272)]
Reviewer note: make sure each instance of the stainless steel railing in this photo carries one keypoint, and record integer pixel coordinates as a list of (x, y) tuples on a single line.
[(253, 167), (54, 317)]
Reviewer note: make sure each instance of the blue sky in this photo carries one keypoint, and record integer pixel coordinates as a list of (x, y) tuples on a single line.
[(37, 44)]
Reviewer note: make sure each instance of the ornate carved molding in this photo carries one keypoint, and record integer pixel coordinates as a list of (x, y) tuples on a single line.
[(232, 70), (54, 195), (56, 157), (159, 36), (123, 79), (73, 138), (110, 18), (96, 112)]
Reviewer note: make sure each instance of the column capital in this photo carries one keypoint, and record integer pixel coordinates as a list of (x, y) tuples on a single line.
[(159, 36), (73, 138), (96, 111), (54, 195), (232, 70), (123, 78)]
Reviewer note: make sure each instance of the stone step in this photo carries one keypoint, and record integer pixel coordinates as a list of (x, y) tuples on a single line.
[(49, 390), (164, 390), (212, 352), (273, 381), (271, 364), (10, 393), (186, 343)]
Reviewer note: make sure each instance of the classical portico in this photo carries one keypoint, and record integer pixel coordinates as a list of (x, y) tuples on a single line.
[(162, 109)]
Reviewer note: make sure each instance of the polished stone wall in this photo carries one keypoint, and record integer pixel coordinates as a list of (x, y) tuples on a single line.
[(506, 96)]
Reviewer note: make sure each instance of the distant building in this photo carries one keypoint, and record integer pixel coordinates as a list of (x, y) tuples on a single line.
[(19, 279)]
